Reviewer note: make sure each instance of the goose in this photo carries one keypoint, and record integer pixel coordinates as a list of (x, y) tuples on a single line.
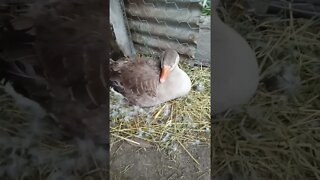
[(146, 82), (235, 68), (66, 69)]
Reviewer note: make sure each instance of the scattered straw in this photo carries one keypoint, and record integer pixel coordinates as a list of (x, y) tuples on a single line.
[(129, 140), (276, 135), (189, 153), (185, 120), (36, 148)]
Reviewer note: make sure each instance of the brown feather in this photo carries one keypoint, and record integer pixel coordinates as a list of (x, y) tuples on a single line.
[(71, 52), (72, 46), (138, 77)]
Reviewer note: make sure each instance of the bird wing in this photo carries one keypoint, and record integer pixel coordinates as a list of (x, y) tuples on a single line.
[(72, 49), (71, 54), (136, 78)]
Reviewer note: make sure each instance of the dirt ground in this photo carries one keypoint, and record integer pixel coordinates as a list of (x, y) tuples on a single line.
[(136, 162)]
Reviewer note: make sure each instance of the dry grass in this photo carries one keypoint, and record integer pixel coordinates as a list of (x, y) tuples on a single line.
[(184, 120), (276, 135), (35, 148)]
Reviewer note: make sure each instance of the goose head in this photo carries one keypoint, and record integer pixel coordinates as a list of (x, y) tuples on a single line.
[(169, 62)]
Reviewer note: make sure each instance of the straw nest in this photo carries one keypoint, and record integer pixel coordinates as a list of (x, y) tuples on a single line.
[(34, 147), (276, 135), (184, 120)]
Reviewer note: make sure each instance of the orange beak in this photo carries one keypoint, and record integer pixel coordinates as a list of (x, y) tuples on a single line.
[(164, 73)]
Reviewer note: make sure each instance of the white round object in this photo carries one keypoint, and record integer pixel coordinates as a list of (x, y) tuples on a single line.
[(235, 69)]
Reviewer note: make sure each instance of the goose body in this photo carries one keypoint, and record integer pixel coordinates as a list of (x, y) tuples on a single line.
[(140, 80), (66, 71), (235, 67)]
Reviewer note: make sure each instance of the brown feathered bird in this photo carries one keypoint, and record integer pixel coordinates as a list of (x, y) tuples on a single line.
[(66, 69)]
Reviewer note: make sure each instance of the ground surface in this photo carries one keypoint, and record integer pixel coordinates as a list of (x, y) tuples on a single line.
[(133, 162)]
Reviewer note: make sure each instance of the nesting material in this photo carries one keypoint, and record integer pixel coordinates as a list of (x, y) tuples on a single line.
[(284, 78), (275, 136), (185, 119), (34, 147)]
